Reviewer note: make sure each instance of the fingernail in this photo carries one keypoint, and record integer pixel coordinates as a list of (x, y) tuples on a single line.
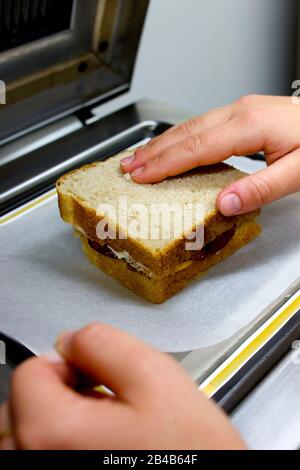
[(138, 171), (63, 341), (127, 160), (53, 356), (231, 204)]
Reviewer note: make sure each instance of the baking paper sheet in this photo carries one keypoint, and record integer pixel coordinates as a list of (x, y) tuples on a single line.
[(48, 286)]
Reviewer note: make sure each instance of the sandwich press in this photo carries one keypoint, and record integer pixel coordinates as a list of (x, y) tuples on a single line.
[(236, 331)]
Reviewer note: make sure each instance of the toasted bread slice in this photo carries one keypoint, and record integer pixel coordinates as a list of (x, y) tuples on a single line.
[(82, 191), (158, 289)]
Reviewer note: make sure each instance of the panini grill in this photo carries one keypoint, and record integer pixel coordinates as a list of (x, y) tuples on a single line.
[(60, 61)]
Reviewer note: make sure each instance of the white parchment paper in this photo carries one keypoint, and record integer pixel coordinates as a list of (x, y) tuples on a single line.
[(47, 285)]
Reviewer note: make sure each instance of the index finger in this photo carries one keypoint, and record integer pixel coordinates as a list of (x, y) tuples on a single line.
[(115, 359), (175, 135), (213, 145)]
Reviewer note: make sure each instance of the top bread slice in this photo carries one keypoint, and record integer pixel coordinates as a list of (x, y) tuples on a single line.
[(82, 191)]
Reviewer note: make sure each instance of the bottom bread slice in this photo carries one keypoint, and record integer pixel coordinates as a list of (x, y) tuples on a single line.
[(158, 290)]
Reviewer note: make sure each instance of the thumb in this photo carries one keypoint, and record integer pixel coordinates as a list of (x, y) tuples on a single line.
[(255, 191), (115, 359)]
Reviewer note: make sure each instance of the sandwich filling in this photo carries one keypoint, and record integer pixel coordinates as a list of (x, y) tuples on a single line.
[(108, 251), (214, 247)]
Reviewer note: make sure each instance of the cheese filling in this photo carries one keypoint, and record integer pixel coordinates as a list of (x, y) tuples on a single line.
[(136, 265)]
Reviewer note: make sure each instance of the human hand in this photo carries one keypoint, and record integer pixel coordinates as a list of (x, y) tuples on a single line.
[(155, 406), (249, 125)]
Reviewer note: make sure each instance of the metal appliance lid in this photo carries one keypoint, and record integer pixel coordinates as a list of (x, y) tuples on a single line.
[(52, 67)]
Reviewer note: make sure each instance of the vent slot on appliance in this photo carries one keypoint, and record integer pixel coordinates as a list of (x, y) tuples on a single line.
[(89, 61), (23, 21)]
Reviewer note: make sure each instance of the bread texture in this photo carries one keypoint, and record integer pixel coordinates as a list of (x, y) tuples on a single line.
[(82, 191), (158, 289)]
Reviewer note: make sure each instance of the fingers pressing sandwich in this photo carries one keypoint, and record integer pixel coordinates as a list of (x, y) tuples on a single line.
[(250, 125), (171, 140)]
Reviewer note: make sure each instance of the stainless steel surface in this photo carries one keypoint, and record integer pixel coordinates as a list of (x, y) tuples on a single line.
[(269, 418), (199, 364), (61, 47), (39, 138), (65, 164), (150, 110), (65, 113), (67, 71), (51, 160), (23, 21)]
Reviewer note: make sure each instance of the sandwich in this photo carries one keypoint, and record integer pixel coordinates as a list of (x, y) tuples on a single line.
[(128, 231)]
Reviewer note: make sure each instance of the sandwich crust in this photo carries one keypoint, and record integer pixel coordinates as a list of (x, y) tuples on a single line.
[(158, 289)]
